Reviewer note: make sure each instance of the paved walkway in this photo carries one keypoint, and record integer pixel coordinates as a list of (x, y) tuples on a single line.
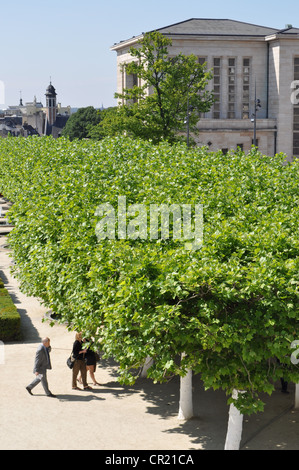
[(112, 417)]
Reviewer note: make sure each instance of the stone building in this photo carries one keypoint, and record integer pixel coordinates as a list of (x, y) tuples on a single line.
[(55, 118), (249, 63), (33, 114), (35, 118)]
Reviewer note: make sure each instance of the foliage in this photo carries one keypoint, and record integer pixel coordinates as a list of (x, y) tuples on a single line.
[(10, 320), (79, 123), (232, 306), (111, 124), (177, 88)]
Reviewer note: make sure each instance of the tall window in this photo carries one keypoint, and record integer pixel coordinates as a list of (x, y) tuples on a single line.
[(231, 89), (202, 61), (296, 114), (217, 87), (131, 81), (246, 89)]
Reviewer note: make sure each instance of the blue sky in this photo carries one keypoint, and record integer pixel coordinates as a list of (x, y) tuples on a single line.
[(70, 40)]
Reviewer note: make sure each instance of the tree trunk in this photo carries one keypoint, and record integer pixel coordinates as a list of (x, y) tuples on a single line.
[(297, 397), (186, 400), (147, 364), (235, 426)]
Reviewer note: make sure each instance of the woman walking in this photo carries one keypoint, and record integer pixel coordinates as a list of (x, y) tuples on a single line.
[(79, 364), (91, 364)]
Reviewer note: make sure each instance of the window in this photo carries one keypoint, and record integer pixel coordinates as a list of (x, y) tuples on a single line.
[(217, 87), (246, 89), (296, 68), (296, 144), (296, 113), (202, 61), (231, 89), (131, 82), (296, 119)]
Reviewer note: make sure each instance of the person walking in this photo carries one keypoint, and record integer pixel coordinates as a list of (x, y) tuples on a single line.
[(41, 365), (79, 363), (91, 363)]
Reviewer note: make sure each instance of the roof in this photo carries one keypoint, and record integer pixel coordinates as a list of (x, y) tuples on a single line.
[(50, 90), (289, 31), (59, 124), (203, 27)]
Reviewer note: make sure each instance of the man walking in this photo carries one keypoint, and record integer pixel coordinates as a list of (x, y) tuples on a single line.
[(41, 364)]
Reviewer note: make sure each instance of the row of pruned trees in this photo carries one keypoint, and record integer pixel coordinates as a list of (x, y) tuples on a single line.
[(227, 311)]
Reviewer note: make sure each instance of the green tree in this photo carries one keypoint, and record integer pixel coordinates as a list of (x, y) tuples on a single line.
[(230, 309), (173, 90), (111, 123), (80, 123)]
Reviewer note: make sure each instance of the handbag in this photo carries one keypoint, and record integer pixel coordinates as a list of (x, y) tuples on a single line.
[(70, 361)]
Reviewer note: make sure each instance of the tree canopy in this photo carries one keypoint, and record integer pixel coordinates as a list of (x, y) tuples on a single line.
[(169, 91), (230, 307), (79, 124)]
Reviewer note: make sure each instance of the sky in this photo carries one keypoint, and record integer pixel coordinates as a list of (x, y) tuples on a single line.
[(70, 40)]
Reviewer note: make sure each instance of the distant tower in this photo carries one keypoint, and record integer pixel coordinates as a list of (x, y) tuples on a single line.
[(51, 104)]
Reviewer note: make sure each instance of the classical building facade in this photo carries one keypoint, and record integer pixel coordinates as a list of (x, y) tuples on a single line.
[(249, 63)]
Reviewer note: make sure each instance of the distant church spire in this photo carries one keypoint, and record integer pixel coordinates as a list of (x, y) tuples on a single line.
[(51, 103)]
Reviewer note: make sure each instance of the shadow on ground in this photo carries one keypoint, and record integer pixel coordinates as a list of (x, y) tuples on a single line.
[(28, 331), (261, 431)]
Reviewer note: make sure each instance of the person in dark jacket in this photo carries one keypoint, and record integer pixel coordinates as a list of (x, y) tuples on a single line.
[(41, 365), (79, 364)]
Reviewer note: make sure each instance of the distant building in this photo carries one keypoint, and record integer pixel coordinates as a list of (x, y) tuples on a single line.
[(34, 118), (56, 116), (33, 114), (242, 56), (10, 125)]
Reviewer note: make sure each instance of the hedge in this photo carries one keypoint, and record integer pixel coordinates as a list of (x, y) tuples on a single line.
[(228, 308), (10, 320)]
